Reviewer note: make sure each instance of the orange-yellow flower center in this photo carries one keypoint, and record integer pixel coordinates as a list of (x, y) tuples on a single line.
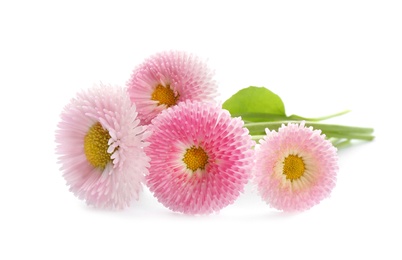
[(165, 96), (96, 145), (195, 158), (293, 167)]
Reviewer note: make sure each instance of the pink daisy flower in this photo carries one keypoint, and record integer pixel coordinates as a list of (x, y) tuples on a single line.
[(100, 147), (201, 158), (295, 167), (167, 78)]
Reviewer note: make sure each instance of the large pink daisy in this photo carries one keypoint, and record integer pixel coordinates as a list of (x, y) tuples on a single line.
[(295, 167), (167, 78), (201, 158), (100, 147)]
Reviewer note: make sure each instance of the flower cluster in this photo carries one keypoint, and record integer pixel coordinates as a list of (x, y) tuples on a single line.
[(166, 131)]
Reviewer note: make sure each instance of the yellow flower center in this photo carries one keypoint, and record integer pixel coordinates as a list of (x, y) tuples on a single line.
[(96, 145), (195, 158), (293, 167), (164, 95)]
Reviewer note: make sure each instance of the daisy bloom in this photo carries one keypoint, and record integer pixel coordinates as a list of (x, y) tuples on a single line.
[(100, 147), (167, 78), (295, 167), (201, 158)]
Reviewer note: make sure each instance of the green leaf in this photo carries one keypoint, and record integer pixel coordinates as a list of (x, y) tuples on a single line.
[(251, 102)]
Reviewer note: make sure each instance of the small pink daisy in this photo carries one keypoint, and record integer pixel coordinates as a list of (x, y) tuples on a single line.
[(100, 147), (295, 167), (167, 78), (201, 158)]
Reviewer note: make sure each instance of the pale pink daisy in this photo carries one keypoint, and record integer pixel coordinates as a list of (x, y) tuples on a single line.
[(201, 158), (100, 147), (295, 167), (167, 78)]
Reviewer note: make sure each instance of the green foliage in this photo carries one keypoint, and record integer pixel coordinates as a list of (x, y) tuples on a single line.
[(262, 109), (256, 104)]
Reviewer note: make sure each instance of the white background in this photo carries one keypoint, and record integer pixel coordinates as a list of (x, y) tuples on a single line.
[(321, 57)]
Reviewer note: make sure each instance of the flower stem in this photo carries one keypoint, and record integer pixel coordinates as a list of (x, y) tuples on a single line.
[(296, 117), (268, 117), (330, 130), (340, 143)]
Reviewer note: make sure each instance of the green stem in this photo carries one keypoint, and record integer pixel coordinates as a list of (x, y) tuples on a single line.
[(267, 117), (364, 137), (257, 137), (340, 143), (330, 130), (296, 117)]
